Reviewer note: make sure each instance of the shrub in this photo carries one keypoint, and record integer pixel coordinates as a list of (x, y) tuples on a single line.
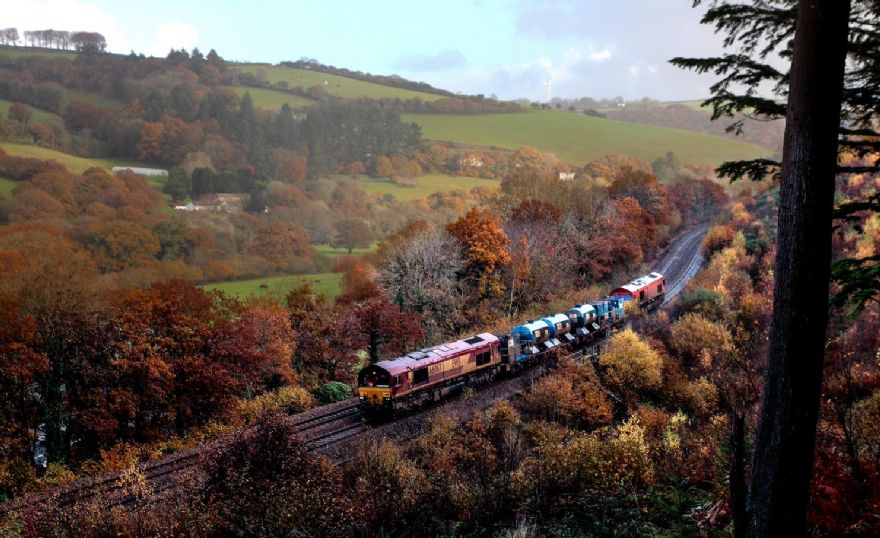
[(630, 363), (706, 302), (333, 391), (570, 396), (718, 237)]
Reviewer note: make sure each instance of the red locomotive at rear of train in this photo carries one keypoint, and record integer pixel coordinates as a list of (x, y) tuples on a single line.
[(647, 291)]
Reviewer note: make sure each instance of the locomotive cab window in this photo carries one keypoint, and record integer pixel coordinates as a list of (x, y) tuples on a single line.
[(375, 378), (484, 358), (397, 381), (420, 376), (641, 296)]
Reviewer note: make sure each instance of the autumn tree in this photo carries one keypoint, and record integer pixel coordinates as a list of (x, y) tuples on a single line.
[(485, 248), (359, 284), (20, 112), (620, 239), (326, 344), (53, 281), (281, 244), (605, 169), (630, 364), (119, 245), (81, 114), (646, 190), (384, 328), (539, 261), (382, 167), (351, 234), (20, 368)]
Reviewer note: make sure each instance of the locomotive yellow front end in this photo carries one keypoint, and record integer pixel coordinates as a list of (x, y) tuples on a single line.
[(374, 388)]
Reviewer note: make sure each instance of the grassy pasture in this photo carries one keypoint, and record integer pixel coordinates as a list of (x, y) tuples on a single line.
[(329, 284), (73, 163), (424, 185), (328, 250), (344, 87), (273, 99), (696, 104), (38, 115), (24, 52), (578, 139), (6, 186)]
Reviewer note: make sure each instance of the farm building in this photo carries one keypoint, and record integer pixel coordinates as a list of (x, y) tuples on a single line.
[(229, 203), (149, 172)]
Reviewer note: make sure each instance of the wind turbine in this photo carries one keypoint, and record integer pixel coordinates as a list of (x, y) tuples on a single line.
[(549, 85)]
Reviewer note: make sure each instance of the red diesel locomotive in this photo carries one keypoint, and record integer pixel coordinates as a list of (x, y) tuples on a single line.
[(647, 291), (430, 374)]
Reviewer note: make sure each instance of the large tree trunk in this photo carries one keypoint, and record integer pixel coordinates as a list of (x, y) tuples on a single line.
[(783, 460), (737, 474)]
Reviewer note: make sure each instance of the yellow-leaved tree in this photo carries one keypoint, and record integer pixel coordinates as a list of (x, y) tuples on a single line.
[(630, 364)]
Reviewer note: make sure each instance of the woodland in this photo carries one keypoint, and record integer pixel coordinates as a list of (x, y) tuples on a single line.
[(749, 407)]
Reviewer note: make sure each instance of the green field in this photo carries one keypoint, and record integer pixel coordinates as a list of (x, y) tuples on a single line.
[(6, 186), (73, 163), (696, 104), (327, 250), (347, 88), (273, 99), (578, 139), (38, 116), (425, 185), (22, 52), (329, 284)]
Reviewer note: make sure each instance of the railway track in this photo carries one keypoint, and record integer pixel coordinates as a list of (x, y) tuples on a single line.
[(332, 430), (681, 262), (319, 428)]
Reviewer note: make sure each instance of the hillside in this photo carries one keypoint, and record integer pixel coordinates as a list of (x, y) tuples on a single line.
[(73, 163), (23, 52), (422, 186), (273, 99), (38, 115), (336, 85), (578, 139)]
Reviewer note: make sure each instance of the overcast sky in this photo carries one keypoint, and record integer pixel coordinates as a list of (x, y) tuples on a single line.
[(512, 48)]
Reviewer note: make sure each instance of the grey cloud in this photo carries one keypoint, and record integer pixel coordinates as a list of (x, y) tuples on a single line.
[(442, 61)]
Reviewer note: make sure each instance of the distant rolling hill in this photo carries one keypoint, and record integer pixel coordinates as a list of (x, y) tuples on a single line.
[(574, 138), (578, 139)]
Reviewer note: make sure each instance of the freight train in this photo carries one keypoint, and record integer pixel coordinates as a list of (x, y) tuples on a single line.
[(432, 374)]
